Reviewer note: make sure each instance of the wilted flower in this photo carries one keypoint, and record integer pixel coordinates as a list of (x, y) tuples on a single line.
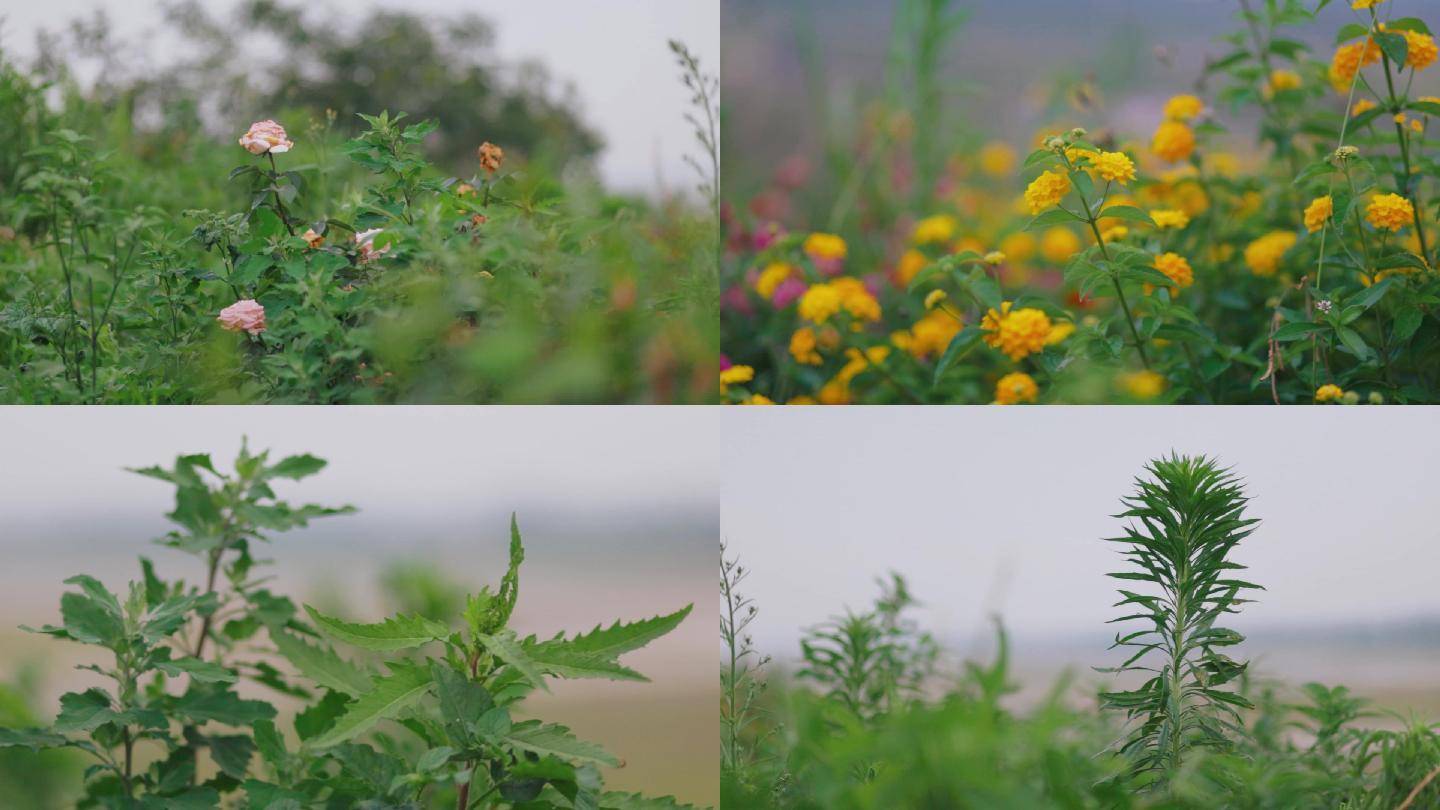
[(312, 238), (245, 315), (265, 137), (490, 157), (365, 243)]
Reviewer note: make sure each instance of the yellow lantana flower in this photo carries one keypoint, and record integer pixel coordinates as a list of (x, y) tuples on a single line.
[(1058, 244), (1319, 212), (997, 159), (1170, 218), (803, 347), (735, 375), (825, 246), (936, 230), (1177, 268), (1348, 61), (1047, 191), (1183, 108), (819, 302), (1017, 333), (771, 277), (1114, 167), (1263, 255), (1329, 393), (1144, 384), (1390, 212), (1015, 388), (1173, 141)]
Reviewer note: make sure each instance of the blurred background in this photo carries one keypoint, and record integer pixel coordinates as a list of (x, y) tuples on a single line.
[(800, 73), (999, 512), (617, 507), (551, 79)]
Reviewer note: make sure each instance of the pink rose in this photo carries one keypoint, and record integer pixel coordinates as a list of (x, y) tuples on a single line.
[(265, 136), (365, 240), (246, 315)]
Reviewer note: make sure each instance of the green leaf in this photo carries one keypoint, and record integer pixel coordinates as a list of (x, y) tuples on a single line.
[(462, 701), (399, 632), (320, 664), (1393, 45), (203, 671), (1128, 212), (89, 621), (35, 739), (1055, 216), (1353, 342), (634, 801), (1298, 330), (232, 754), (963, 341), (507, 648), (1407, 322), (203, 704), (388, 696), (617, 639), (557, 741), (271, 744), (84, 711), (295, 467)]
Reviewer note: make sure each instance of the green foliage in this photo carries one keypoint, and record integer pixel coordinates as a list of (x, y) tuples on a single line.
[(1185, 522), (1200, 733), (395, 729), (382, 275)]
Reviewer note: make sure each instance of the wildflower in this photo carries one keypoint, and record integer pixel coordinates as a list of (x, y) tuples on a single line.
[(1324, 305), (1170, 218), (803, 345), (1263, 255), (1422, 51), (1047, 191), (265, 137), (935, 230), (464, 190), (1348, 61), (1359, 4), (490, 156), (1173, 141), (246, 315), (1319, 212), (757, 399), (1058, 244), (771, 277), (1059, 332), (1389, 212), (997, 159), (1281, 80), (313, 239), (1017, 333), (827, 251), (1183, 108), (910, 264), (365, 244), (1144, 384), (1328, 392), (1176, 268), (1015, 388), (934, 298), (995, 258), (735, 375), (857, 299), (931, 335), (1361, 107), (819, 302), (1114, 233), (1114, 167)]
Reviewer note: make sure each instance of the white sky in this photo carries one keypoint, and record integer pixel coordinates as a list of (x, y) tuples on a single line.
[(392, 461), (614, 52), (1003, 510)]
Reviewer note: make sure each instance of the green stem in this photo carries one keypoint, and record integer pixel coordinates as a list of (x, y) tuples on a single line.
[(275, 190), (1091, 219), (1405, 185)]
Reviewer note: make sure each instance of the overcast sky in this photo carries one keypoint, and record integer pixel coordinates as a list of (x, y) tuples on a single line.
[(1003, 510), (613, 52), (391, 460)]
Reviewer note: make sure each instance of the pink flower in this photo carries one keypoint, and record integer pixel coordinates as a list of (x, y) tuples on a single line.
[(786, 293), (245, 315), (265, 136), (365, 242)]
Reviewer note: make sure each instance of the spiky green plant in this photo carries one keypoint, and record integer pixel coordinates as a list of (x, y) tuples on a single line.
[(1185, 521)]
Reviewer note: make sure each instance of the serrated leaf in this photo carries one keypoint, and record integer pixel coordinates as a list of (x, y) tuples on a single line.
[(203, 671), (84, 711), (320, 664), (295, 467), (507, 648), (557, 741), (387, 697), (399, 632), (619, 638)]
